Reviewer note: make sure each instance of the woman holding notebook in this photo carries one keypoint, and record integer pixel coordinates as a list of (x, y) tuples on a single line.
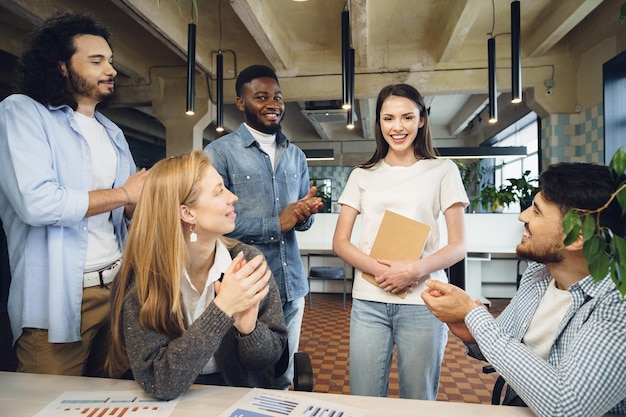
[(418, 191)]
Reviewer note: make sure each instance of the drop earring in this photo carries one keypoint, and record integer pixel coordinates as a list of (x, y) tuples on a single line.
[(193, 237)]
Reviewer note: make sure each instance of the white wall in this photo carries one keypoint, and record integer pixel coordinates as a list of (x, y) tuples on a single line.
[(491, 242)]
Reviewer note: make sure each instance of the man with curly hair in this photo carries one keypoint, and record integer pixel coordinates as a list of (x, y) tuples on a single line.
[(67, 188)]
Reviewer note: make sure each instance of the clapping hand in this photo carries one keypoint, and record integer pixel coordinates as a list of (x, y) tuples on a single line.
[(300, 211), (244, 285)]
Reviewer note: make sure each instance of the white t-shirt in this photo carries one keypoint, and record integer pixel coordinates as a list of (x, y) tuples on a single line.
[(196, 300), (539, 336), (422, 191), (102, 246), (266, 141)]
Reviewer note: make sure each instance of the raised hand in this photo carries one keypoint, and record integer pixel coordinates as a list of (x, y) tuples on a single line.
[(243, 287), (300, 210), (447, 302)]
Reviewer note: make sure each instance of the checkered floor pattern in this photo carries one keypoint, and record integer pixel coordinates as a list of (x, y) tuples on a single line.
[(325, 337)]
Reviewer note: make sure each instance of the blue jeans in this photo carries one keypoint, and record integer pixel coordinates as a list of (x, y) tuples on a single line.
[(293, 312), (420, 340)]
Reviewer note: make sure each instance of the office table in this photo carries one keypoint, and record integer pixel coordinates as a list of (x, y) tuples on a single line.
[(24, 395)]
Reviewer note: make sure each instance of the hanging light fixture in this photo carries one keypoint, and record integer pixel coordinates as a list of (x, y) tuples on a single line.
[(191, 66), (493, 89), (350, 118), (220, 79), (481, 152), (516, 53), (220, 93), (345, 55)]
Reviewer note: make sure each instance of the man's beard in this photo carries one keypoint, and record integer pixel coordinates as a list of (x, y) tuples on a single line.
[(81, 86), (254, 122), (547, 255)]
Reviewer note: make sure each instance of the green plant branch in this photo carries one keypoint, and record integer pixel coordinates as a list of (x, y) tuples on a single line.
[(581, 213), (604, 251), (608, 202)]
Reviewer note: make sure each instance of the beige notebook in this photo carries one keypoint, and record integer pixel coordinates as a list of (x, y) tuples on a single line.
[(398, 237)]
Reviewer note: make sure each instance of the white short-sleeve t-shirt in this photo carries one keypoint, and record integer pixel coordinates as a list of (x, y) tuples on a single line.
[(422, 191)]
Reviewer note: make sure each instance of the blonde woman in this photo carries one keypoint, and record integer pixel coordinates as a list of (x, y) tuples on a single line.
[(188, 304)]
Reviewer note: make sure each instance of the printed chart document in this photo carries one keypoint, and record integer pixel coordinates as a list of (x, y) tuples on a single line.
[(398, 237), (107, 403), (275, 403)]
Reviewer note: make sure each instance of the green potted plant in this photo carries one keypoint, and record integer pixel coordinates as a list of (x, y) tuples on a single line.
[(472, 175), (524, 189), (494, 199), (604, 251), (324, 191)]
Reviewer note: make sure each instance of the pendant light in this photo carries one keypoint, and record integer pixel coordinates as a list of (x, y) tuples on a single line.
[(516, 53), (350, 118), (220, 79), (493, 89), (191, 66), (345, 56)]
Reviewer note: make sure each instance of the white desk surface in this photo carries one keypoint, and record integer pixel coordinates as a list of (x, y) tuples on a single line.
[(24, 395)]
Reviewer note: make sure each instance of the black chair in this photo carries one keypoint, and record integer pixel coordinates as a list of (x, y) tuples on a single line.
[(302, 369), (323, 273), (509, 398), (303, 372), (496, 394)]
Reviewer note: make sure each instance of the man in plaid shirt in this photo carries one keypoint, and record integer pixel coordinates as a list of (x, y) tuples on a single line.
[(561, 342)]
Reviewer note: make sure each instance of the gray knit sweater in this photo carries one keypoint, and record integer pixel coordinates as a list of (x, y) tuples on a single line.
[(166, 367)]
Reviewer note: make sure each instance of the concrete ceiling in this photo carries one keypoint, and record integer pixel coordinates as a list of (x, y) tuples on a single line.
[(439, 46)]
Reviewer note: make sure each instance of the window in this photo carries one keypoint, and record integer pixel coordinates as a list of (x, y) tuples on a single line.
[(524, 132)]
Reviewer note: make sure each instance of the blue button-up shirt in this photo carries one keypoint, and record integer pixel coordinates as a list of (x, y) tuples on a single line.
[(585, 374), (263, 193), (45, 177)]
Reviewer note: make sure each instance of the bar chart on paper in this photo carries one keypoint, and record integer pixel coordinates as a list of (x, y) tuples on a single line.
[(266, 403), (107, 403)]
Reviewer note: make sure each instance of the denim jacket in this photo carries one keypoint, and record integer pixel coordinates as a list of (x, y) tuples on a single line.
[(263, 193)]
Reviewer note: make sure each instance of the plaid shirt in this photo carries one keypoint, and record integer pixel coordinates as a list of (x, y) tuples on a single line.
[(585, 374)]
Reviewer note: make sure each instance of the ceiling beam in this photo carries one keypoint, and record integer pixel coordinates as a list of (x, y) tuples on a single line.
[(551, 28), (258, 19), (164, 22), (472, 106), (358, 29), (456, 27)]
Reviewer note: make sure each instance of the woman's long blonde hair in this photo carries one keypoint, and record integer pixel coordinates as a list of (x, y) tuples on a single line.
[(155, 253)]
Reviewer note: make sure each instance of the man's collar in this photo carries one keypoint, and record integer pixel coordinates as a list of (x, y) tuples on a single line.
[(248, 139), (258, 133)]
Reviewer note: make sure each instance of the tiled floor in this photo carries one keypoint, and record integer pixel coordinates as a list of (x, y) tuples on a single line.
[(325, 337)]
